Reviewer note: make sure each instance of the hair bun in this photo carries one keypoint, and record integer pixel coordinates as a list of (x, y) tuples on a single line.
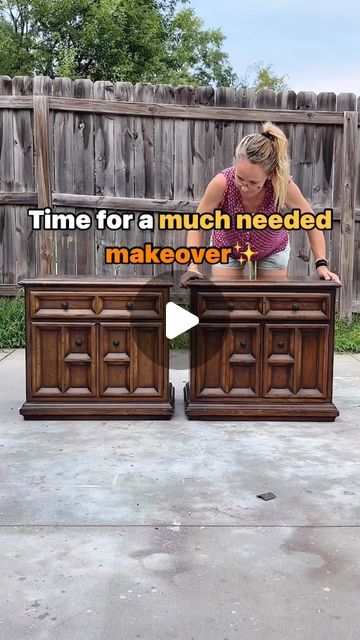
[(268, 135)]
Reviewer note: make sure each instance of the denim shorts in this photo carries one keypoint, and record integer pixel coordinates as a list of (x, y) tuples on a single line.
[(277, 260)]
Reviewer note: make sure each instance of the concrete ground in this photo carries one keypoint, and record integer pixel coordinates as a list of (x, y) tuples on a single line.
[(123, 530)]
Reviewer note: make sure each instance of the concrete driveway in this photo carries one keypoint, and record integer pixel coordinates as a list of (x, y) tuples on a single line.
[(121, 530)]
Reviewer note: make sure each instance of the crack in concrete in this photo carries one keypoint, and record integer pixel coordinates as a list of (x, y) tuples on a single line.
[(6, 355)]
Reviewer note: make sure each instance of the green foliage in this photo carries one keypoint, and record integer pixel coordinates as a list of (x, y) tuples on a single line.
[(181, 342), (347, 335), (116, 40), (12, 323), (16, 57), (195, 56), (260, 76)]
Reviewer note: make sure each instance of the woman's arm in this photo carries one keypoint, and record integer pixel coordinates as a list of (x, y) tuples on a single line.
[(211, 200), (296, 200)]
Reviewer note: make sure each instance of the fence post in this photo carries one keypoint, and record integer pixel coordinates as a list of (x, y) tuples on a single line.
[(43, 155), (347, 212)]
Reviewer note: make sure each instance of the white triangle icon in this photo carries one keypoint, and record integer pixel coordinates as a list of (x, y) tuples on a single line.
[(178, 320)]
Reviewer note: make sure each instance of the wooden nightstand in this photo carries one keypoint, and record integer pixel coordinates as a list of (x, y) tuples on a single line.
[(96, 348), (272, 349)]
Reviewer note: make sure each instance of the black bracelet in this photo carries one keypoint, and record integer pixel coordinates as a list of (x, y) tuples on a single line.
[(321, 262)]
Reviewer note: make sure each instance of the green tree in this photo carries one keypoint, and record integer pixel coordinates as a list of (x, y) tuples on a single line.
[(194, 55), (16, 39), (133, 40), (260, 76)]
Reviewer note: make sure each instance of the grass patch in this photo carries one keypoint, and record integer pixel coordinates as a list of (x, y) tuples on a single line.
[(181, 342), (12, 329), (347, 336), (12, 323)]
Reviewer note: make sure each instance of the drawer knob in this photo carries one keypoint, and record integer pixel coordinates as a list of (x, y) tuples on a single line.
[(64, 304), (243, 343), (280, 344), (116, 343), (231, 306), (296, 306), (129, 305), (78, 342)]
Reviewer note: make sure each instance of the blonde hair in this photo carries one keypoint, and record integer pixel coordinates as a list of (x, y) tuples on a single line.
[(270, 149)]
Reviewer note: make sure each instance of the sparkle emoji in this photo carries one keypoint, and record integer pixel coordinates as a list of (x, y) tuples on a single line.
[(248, 253), (237, 248)]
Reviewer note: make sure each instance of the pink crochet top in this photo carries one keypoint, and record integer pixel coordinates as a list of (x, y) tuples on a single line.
[(264, 241)]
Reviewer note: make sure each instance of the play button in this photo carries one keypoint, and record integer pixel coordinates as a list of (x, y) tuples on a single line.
[(178, 320)]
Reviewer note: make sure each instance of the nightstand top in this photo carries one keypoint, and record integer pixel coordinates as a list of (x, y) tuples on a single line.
[(94, 281), (300, 282)]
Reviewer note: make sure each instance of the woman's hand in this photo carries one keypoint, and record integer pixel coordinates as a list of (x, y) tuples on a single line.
[(191, 274), (325, 274)]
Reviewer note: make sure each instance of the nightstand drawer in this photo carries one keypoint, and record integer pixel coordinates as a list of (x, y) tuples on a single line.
[(130, 305), (306, 306), (61, 304), (230, 305)]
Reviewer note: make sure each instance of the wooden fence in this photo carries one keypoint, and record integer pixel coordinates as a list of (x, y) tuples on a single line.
[(80, 146)]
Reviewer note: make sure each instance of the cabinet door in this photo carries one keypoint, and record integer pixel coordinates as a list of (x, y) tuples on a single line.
[(62, 358), (226, 360), (131, 360), (295, 361)]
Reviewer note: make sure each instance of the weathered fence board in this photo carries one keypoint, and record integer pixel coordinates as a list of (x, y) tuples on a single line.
[(83, 154), (323, 174), (104, 171), (143, 162), (356, 284), (347, 222), (224, 142), (286, 100), (244, 99), (264, 101), (190, 112), (27, 242), (203, 144), (303, 170), (124, 162), (43, 151), (203, 168), (63, 177), (164, 146), (123, 140), (356, 280), (344, 102), (7, 177), (184, 165)]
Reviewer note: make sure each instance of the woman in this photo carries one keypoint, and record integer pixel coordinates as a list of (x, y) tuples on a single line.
[(258, 182)]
